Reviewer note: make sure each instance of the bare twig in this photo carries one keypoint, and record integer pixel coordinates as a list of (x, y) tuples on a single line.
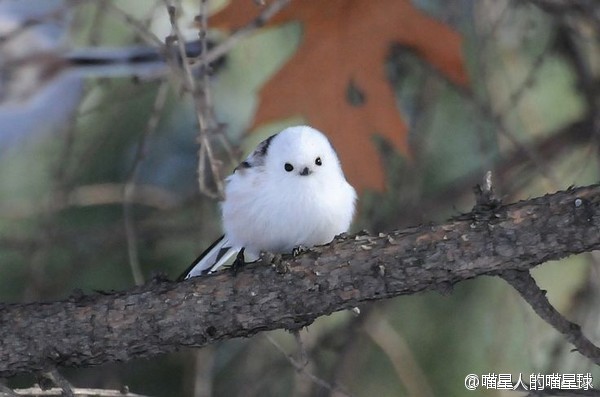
[(572, 136), (349, 343), (26, 24), (523, 282), (227, 45), (400, 354), (140, 27), (303, 386), (525, 149), (534, 71), (301, 367), (130, 185), (95, 34), (199, 95), (91, 195), (302, 353), (484, 107), (203, 369), (584, 8)]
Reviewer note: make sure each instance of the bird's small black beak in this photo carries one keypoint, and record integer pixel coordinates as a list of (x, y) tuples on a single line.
[(305, 171)]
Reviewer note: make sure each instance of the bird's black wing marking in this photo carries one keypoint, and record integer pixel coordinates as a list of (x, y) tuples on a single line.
[(261, 149), (257, 157), (202, 255)]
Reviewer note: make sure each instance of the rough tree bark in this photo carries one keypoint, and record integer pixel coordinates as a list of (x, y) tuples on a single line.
[(163, 316)]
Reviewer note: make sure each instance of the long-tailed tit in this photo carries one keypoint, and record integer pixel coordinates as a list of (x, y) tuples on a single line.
[(289, 192)]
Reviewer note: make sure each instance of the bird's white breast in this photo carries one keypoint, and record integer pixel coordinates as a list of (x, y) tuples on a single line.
[(265, 215)]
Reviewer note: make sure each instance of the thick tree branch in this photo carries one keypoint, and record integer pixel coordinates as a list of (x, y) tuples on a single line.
[(291, 293)]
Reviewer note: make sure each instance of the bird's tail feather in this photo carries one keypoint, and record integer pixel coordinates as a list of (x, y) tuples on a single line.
[(211, 259)]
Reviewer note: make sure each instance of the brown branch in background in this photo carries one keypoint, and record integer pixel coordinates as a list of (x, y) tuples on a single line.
[(301, 368), (129, 190), (91, 195), (531, 155), (200, 91), (352, 344), (303, 385), (528, 82), (217, 129), (573, 136), (96, 25), (526, 148), (583, 8), (393, 345), (140, 28), (199, 95), (290, 293), (204, 361), (150, 16)]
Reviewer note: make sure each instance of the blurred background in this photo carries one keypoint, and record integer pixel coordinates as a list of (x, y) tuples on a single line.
[(115, 134)]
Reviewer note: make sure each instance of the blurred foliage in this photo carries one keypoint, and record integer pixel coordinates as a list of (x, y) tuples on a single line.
[(528, 85)]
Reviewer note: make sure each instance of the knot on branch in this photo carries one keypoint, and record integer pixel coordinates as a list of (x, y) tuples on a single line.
[(485, 195), (486, 202)]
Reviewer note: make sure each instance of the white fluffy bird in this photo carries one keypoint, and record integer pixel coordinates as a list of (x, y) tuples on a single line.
[(290, 192)]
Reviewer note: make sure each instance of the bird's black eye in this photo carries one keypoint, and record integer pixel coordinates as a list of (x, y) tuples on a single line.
[(318, 161), (288, 167)]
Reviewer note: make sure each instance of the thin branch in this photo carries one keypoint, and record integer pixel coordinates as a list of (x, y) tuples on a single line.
[(532, 75), (91, 195), (399, 353), (138, 26), (572, 136), (129, 191), (523, 282), (525, 149), (206, 69), (301, 367), (585, 8), (199, 95), (223, 48), (302, 358), (96, 26), (204, 360)]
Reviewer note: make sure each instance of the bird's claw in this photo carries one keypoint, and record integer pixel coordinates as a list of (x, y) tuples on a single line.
[(299, 250), (239, 262)]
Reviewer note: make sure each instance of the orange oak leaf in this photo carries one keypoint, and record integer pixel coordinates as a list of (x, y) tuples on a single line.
[(337, 80)]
